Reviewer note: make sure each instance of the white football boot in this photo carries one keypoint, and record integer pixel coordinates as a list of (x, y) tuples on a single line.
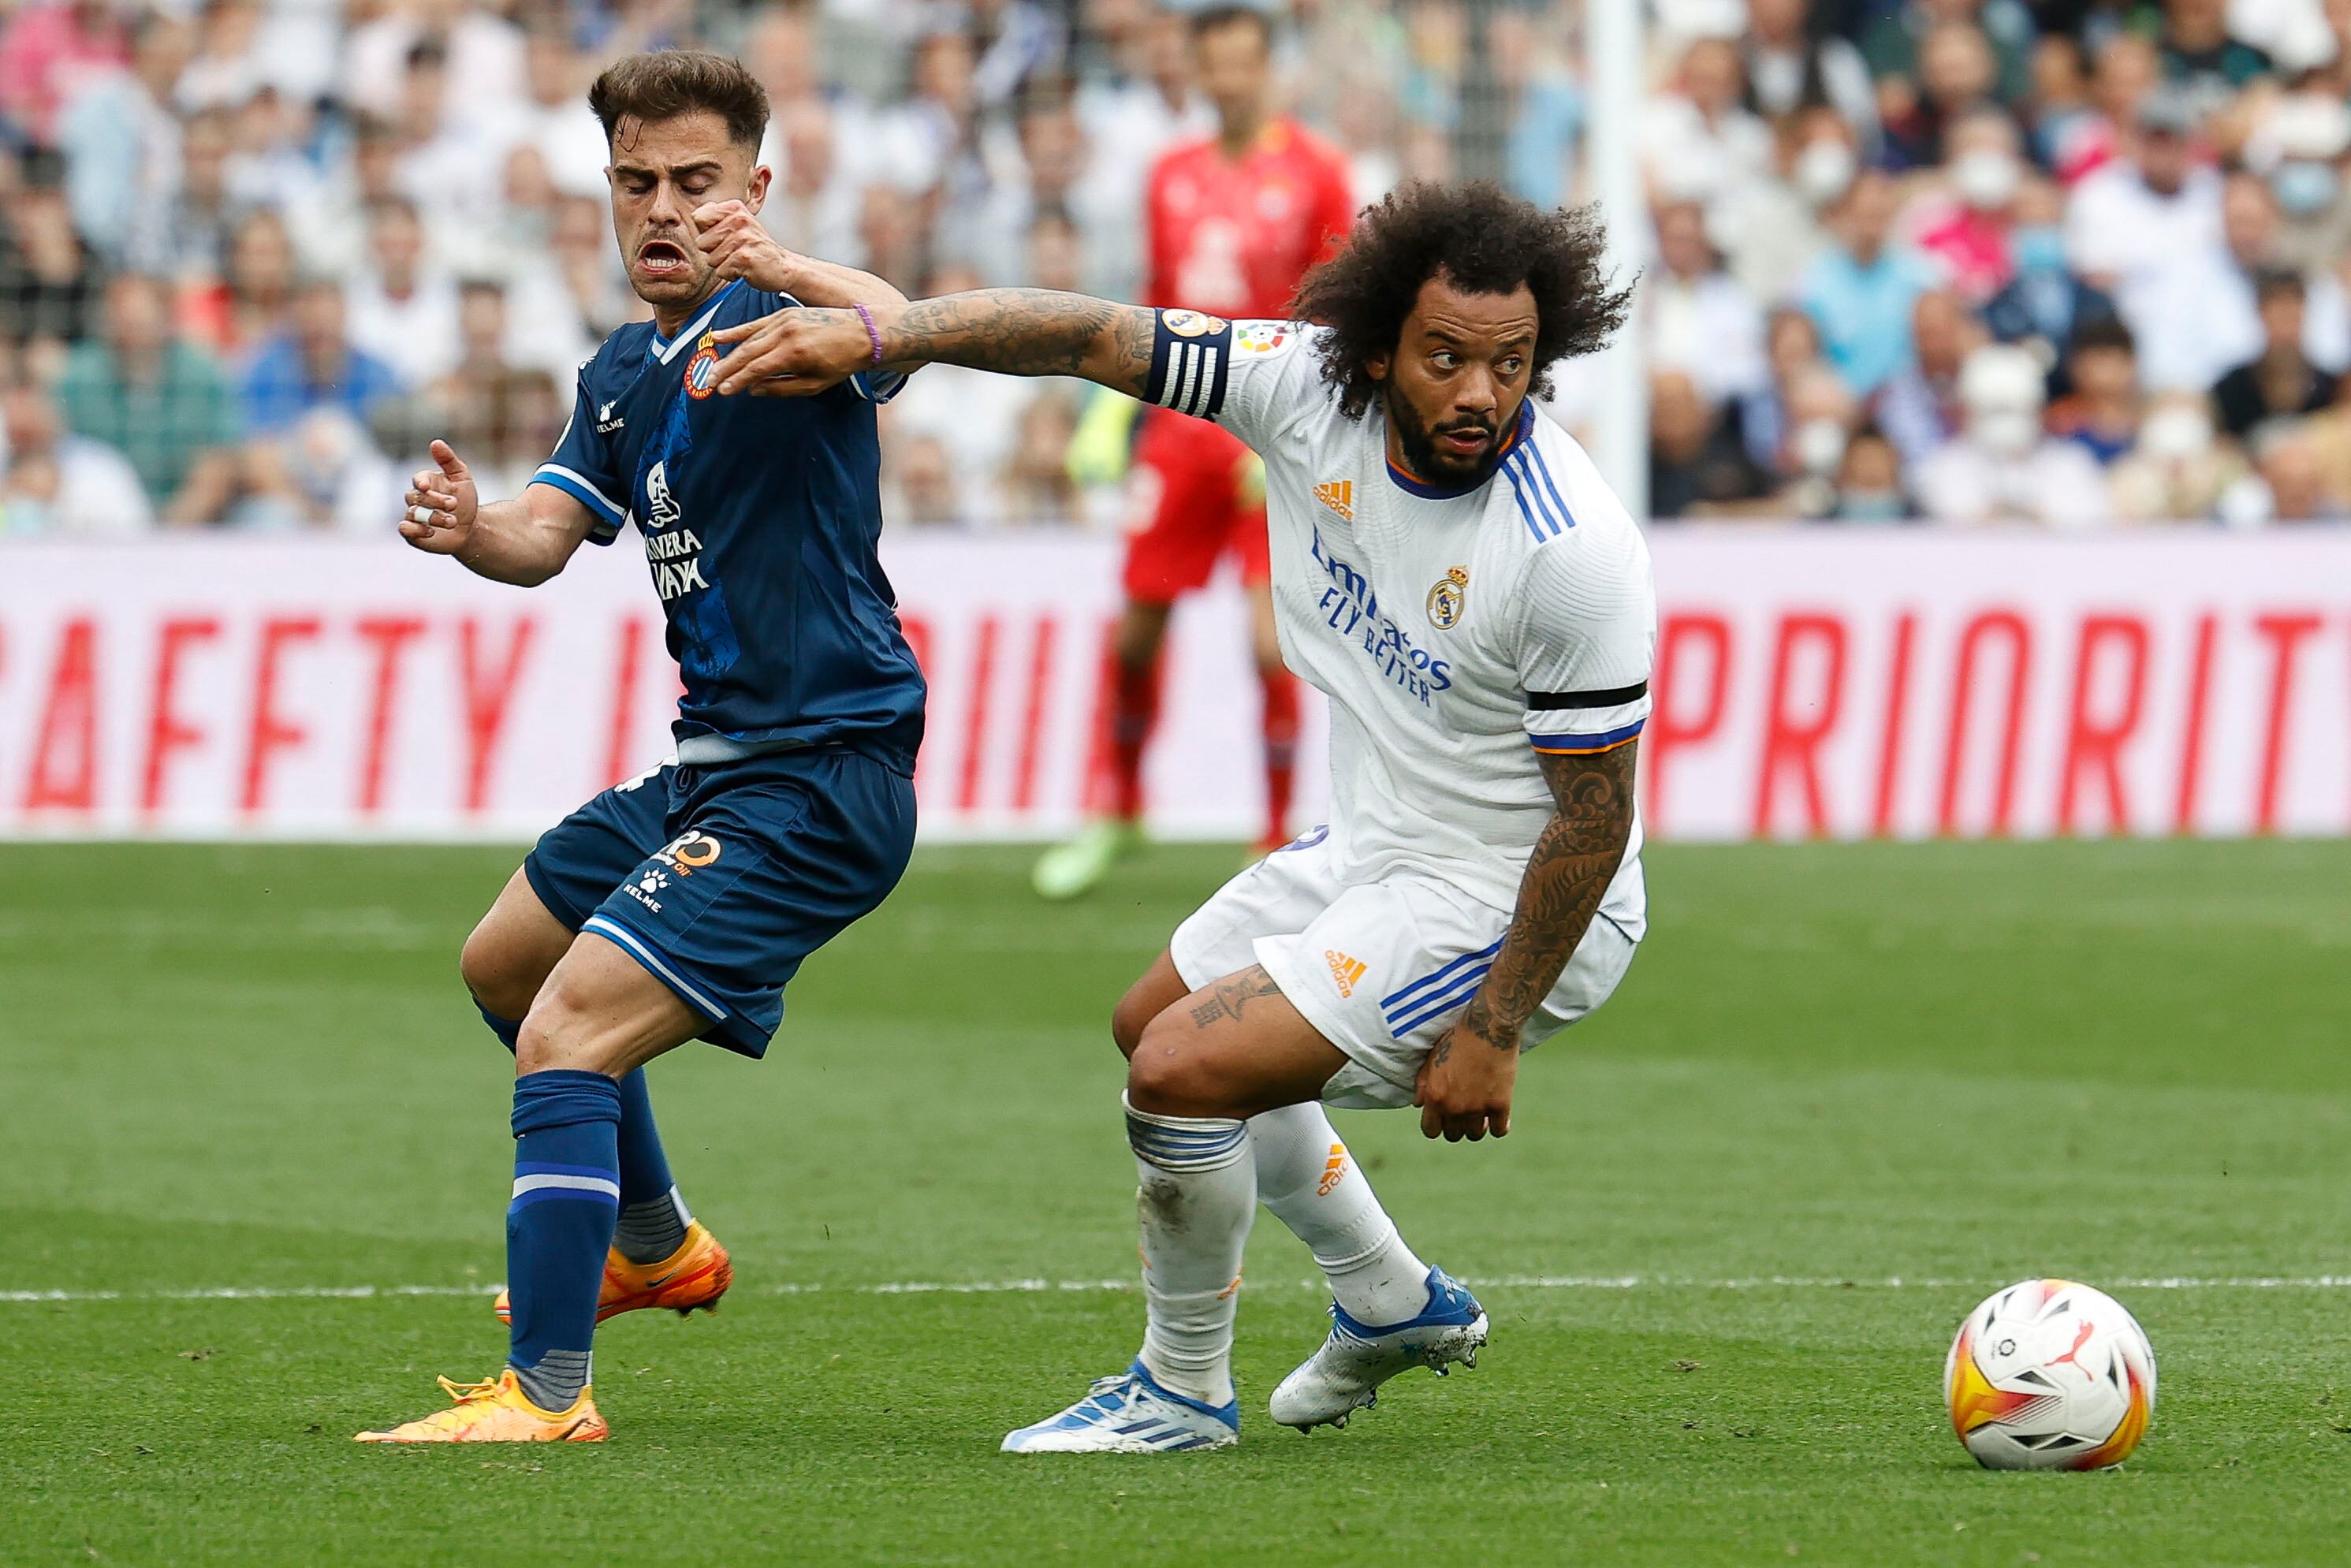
[(1346, 1374), (1129, 1413)]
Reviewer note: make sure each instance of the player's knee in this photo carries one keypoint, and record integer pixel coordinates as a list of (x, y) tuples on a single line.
[(503, 987), (562, 1034), (1166, 1079), (1134, 1014)]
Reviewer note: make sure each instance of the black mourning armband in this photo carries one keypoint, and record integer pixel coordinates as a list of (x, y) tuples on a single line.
[(1191, 354)]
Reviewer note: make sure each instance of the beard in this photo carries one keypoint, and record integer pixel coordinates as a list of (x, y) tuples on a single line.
[(1431, 462)]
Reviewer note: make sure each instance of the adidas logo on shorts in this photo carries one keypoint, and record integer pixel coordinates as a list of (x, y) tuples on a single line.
[(1343, 969)]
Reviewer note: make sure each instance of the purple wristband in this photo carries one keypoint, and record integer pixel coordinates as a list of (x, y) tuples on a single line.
[(871, 332)]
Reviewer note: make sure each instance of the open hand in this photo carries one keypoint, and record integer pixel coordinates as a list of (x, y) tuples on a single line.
[(1464, 1088), (737, 244), (441, 505), (793, 353)]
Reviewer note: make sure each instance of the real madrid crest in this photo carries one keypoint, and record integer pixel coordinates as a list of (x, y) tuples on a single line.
[(702, 371), (1448, 598)]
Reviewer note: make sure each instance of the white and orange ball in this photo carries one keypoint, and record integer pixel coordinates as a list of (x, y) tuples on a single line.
[(2050, 1375)]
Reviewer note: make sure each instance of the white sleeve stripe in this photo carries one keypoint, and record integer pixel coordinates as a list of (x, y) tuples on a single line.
[(1192, 354), (619, 513)]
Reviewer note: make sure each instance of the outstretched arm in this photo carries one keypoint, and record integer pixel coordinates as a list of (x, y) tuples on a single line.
[(523, 541), (738, 246), (1466, 1084), (1016, 331)]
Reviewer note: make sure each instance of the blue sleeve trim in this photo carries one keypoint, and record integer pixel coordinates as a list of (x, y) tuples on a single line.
[(606, 518), (1584, 745), (878, 386)]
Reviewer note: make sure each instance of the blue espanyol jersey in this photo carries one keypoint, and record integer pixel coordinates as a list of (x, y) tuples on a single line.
[(759, 517)]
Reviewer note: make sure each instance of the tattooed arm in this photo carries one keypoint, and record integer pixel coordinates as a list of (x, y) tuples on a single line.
[(1466, 1084), (1016, 331)]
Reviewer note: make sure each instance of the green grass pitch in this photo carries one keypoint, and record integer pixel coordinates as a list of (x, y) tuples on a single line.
[(1832, 1069)]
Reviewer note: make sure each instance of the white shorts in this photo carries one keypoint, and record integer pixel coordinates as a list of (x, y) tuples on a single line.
[(1381, 970)]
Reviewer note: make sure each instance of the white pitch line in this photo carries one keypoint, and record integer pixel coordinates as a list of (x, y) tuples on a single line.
[(1036, 1287)]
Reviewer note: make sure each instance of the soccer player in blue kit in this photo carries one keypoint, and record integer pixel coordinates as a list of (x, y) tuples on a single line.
[(677, 906)]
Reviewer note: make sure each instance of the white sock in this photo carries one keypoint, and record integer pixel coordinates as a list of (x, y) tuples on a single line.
[(1306, 1176), (1197, 1196)]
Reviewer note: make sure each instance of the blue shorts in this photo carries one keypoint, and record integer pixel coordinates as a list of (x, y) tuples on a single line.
[(720, 879)]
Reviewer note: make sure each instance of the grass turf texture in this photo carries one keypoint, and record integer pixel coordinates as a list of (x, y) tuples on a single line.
[(1958, 1063)]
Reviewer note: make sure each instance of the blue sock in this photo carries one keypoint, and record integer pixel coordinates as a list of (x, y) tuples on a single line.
[(567, 1191), (653, 1220), (654, 1216)]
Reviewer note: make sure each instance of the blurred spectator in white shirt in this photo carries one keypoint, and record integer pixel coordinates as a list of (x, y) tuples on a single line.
[(1018, 40), (813, 204), (581, 248), (553, 115), (2146, 229), (59, 483), (2177, 470), (402, 310), (121, 145), (227, 67), (1791, 65), (1698, 141), (486, 58), (1699, 320), (2001, 468), (445, 168), (2289, 483), (1133, 108), (1773, 229)]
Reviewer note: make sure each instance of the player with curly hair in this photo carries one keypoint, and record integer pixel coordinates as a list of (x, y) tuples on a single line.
[(1450, 569)]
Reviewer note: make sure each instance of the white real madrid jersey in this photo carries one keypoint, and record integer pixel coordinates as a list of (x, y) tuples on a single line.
[(1456, 633)]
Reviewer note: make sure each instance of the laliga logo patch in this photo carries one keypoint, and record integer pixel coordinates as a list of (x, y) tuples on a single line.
[(1448, 598), (702, 371), (1191, 323), (1260, 337), (689, 853)]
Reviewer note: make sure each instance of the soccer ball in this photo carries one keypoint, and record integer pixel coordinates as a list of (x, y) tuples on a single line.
[(2050, 1375)]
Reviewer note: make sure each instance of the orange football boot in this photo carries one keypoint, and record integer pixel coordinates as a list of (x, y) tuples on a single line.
[(498, 1411), (690, 1279)]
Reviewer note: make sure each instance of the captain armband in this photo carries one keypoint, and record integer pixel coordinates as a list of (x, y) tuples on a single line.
[(1191, 356)]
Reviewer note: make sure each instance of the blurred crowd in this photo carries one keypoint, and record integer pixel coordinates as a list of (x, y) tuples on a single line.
[(2072, 263)]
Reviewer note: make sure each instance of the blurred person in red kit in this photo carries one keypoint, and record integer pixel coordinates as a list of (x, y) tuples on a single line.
[(1233, 222)]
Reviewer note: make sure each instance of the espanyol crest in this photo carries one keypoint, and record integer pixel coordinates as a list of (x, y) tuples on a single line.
[(702, 371)]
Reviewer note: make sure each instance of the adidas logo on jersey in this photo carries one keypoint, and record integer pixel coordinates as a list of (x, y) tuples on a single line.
[(1339, 495), (1345, 970)]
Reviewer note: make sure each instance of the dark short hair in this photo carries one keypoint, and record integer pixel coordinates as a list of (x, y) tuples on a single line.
[(1480, 239), (2102, 333), (667, 83), (2270, 282)]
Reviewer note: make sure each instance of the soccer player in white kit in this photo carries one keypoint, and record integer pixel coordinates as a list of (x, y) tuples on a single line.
[(1451, 571)]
